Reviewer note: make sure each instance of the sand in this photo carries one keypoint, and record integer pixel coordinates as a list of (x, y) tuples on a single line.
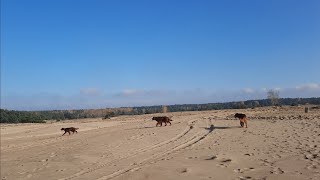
[(280, 143)]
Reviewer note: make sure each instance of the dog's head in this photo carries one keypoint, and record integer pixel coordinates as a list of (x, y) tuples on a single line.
[(236, 115), (154, 118), (239, 115), (62, 129)]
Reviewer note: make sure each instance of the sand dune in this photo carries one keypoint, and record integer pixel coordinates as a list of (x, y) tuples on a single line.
[(280, 143)]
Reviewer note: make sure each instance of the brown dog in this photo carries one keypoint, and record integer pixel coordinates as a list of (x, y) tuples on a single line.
[(67, 130), (162, 119), (243, 119)]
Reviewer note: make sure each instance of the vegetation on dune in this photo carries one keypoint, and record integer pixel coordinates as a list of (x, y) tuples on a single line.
[(273, 95), (20, 117), (9, 116)]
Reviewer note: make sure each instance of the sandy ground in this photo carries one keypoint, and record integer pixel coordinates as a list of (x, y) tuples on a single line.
[(280, 143)]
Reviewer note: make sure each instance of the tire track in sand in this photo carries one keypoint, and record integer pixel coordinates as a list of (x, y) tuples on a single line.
[(185, 143), (191, 141), (137, 152)]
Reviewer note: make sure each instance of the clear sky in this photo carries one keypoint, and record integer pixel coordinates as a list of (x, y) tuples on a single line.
[(70, 54)]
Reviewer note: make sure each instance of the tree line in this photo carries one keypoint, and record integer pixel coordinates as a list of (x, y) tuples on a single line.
[(11, 116)]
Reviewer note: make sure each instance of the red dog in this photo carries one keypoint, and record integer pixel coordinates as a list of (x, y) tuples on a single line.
[(67, 130), (162, 119), (243, 119)]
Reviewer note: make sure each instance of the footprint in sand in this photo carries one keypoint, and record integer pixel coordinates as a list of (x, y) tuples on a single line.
[(224, 163), (167, 159), (277, 171), (249, 154), (182, 170), (192, 157), (211, 158), (243, 170), (243, 178), (226, 160), (311, 156), (313, 166)]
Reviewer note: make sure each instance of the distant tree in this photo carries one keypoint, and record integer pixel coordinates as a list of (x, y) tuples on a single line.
[(164, 109), (241, 105), (109, 115), (256, 104), (273, 95)]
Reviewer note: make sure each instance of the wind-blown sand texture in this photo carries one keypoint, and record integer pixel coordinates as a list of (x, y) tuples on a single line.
[(280, 143)]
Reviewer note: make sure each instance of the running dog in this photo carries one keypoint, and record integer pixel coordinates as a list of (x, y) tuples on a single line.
[(67, 130), (242, 118), (162, 119)]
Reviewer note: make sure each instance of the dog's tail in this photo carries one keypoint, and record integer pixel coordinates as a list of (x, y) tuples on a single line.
[(76, 128)]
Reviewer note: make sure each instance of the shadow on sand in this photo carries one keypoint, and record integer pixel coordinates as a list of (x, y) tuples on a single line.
[(227, 127), (212, 127), (147, 127)]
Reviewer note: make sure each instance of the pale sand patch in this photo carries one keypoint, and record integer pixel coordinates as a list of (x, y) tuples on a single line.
[(280, 143)]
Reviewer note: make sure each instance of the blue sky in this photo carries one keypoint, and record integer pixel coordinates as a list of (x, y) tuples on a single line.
[(70, 54)]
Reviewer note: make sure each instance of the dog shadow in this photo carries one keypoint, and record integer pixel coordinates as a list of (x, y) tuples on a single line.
[(146, 127), (212, 127)]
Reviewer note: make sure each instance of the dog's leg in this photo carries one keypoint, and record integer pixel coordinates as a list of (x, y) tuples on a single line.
[(241, 123), (170, 123), (64, 133), (165, 123), (69, 132), (246, 122)]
